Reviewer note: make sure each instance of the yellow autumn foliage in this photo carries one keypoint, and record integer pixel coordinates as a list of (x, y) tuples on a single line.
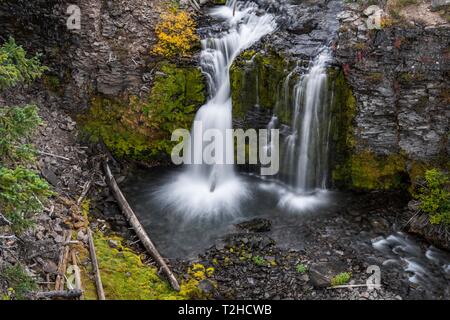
[(176, 34)]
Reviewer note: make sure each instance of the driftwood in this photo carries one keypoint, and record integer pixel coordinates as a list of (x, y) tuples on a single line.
[(355, 286), (86, 188), (3, 220), (69, 294), (98, 279), (77, 272), (137, 226), (53, 155), (62, 265)]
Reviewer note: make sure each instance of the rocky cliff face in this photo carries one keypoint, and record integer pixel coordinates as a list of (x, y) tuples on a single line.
[(107, 56), (391, 112), (400, 78)]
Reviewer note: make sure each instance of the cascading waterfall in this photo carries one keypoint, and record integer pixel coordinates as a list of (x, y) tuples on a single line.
[(307, 146), (215, 188), (305, 150)]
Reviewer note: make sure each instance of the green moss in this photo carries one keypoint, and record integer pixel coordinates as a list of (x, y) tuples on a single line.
[(365, 171), (125, 277), (343, 109), (375, 77), (408, 78), (341, 279), (106, 120), (259, 261), (248, 54), (256, 80), (358, 170), (141, 129)]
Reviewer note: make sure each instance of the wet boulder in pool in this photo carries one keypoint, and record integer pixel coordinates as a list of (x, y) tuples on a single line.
[(255, 225)]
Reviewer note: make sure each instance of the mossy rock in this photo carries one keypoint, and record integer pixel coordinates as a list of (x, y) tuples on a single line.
[(126, 277), (141, 129), (343, 109), (256, 80), (366, 171)]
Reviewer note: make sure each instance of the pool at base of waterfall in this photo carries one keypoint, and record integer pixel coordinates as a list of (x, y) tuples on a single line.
[(185, 217), (358, 228)]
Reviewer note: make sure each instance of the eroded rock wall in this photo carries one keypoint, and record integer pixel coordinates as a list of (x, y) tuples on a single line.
[(108, 56), (400, 78)]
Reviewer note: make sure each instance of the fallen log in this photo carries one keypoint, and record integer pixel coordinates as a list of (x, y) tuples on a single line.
[(138, 228), (345, 286), (77, 272), (62, 265), (43, 153), (69, 294), (98, 279), (85, 191)]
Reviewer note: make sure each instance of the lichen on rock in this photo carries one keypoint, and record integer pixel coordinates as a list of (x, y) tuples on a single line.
[(141, 128)]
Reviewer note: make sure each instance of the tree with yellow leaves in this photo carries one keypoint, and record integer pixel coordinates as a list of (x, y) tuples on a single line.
[(176, 34)]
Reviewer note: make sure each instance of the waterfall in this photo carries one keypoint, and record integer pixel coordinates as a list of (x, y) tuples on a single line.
[(305, 150), (209, 188), (217, 56), (311, 128)]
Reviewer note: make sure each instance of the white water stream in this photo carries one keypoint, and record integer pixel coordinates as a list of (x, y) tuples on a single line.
[(206, 189)]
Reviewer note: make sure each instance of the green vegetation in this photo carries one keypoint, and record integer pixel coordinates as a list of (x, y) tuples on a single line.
[(409, 78), (15, 67), (366, 171), (126, 277), (343, 109), (17, 124), (141, 129), (301, 268), (434, 196), (341, 279), (22, 191), (19, 282), (375, 77), (258, 82), (259, 261)]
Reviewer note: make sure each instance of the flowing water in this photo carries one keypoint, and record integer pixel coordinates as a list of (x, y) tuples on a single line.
[(187, 209), (305, 149), (305, 152), (210, 189)]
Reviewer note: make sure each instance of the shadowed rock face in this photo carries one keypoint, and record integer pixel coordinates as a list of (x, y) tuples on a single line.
[(107, 56), (399, 76)]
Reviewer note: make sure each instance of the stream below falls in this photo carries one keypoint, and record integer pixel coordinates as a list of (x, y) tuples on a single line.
[(361, 227)]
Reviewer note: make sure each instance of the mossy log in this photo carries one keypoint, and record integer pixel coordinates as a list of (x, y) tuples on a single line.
[(98, 279), (138, 228)]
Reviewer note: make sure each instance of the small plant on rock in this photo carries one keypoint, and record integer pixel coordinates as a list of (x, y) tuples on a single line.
[(301, 268), (434, 196), (176, 34), (258, 260), (341, 279)]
